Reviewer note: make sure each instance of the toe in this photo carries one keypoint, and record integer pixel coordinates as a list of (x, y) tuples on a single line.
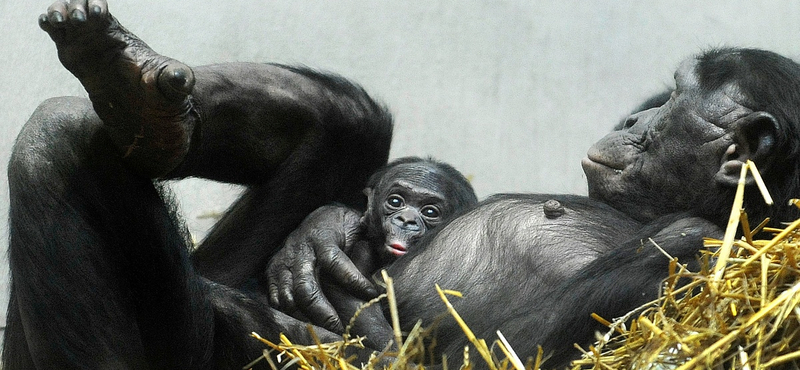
[(77, 11), (96, 10), (176, 81), (56, 13)]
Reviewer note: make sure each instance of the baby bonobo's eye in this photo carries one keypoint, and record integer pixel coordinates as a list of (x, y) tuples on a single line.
[(431, 212), (395, 201)]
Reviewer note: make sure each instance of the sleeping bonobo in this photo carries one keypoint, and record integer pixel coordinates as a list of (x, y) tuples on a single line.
[(405, 199), (668, 174), (102, 277)]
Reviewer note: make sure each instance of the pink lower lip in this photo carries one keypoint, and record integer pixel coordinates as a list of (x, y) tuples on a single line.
[(397, 249)]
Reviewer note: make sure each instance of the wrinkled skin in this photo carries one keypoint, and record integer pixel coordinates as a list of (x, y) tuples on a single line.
[(667, 150), (149, 102), (102, 276), (667, 175), (406, 199)]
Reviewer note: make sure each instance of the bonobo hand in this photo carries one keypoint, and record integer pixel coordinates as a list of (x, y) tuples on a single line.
[(681, 236), (141, 96), (318, 244)]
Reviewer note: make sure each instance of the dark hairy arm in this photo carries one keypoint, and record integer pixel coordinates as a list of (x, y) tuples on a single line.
[(621, 280)]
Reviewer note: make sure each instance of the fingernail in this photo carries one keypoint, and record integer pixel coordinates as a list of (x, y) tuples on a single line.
[(56, 17), (96, 10)]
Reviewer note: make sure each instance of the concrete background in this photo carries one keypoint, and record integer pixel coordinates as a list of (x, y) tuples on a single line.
[(512, 93)]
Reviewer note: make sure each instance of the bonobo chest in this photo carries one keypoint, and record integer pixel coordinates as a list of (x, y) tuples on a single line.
[(547, 236)]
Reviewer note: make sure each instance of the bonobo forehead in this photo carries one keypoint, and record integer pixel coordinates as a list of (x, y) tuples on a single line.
[(720, 106), (422, 178), (428, 175), (429, 182)]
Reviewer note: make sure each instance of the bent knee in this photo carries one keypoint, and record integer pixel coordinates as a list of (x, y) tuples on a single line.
[(57, 132)]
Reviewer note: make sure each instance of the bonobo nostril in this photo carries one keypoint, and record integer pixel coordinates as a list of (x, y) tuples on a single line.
[(630, 121)]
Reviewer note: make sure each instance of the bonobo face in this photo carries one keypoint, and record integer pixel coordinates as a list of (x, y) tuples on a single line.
[(665, 159), (409, 200)]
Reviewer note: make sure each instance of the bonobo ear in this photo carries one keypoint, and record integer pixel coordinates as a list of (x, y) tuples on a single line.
[(754, 138), (370, 193)]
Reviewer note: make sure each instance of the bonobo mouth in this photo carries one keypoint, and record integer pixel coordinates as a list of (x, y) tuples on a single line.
[(397, 249), (597, 162)]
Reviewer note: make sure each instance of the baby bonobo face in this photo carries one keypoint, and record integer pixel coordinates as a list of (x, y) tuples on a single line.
[(408, 212), (409, 200)]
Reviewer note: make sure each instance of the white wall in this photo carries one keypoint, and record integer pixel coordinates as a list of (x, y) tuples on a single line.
[(510, 92)]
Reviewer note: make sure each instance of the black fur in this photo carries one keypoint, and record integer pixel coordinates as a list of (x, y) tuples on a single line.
[(537, 278), (378, 236), (102, 274)]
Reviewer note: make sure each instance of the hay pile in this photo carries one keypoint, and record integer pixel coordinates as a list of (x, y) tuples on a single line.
[(741, 313), (410, 354), (746, 319)]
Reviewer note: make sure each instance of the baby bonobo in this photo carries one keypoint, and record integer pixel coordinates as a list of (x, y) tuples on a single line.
[(407, 198)]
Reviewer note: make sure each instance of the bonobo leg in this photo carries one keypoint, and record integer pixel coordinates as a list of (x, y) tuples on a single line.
[(298, 139), (304, 139), (101, 276), (140, 95)]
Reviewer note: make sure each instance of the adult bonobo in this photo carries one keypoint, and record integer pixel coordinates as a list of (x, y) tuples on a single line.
[(101, 272), (536, 266), (406, 199)]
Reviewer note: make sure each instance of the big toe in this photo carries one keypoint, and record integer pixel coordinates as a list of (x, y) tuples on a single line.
[(176, 81)]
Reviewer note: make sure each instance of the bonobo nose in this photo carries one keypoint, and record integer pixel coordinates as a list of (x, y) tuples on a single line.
[(407, 221), (639, 119), (630, 121)]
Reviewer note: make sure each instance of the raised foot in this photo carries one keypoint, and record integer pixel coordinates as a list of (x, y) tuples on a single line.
[(141, 96)]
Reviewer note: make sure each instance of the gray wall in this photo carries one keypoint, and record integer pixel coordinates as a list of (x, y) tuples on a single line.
[(510, 92)]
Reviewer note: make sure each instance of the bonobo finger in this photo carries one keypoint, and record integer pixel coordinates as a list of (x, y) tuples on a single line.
[(274, 299), (284, 298), (274, 282), (315, 306), (97, 8), (44, 24), (335, 262), (76, 11), (96, 13), (311, 301)]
